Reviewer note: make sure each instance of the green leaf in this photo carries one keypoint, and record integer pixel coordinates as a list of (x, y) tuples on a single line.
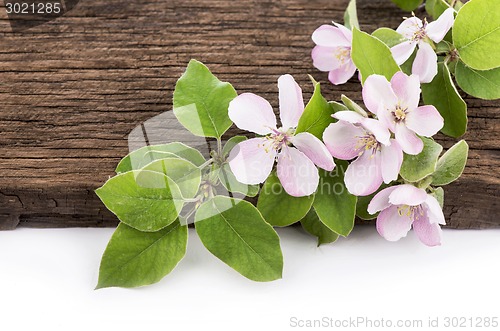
[(235, 232), (451, 165), (480, 84), (417, 167), (438, 193), (317, 114), (337, 106), (335, 206), (144, 200), (278, 207), (139, 158), (134, 258), (372, 56), (315, 227), (229, 145), (442, 93), (407, 66), (229, 181), (201, 101), (351, 105), (388, 36), (364, 201), (435, 7), (351, 16), (185, 174), (408, 5), (476, 34)]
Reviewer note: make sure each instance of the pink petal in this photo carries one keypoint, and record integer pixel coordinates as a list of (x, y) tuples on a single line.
[(342, 74), (252, 113), (408, 140), (341, 139), (407, 89), (425, 63), (363, 176), (377, 92), (378, 129), (409, 26), (297, 173), (251, 161), (391, 160), (434, 211), (291, 101), (345, 31), (407, 194), (324, 58), (428, 233), (424, 120), (349, 116), (393, 226), (439, 28), (402, 51), (330, 36), (381, 200), (314, 149)]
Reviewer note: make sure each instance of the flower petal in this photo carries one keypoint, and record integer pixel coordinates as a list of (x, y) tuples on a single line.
[(407, 89), (330, 36), (434, 211), (324, 58), (363, 176), (378, 129), (439, 28), (314, 149), (402, 51), (425, 63), (408, 140), (297, 173), (428, 233), (349, 116), (342, 74), (377, 91), (393, 226), (345, 31), (341, 139), (425, 121), (407, 194), (252, 113), (291, 101), (391, 160), (251, 162), (381, 200), (409, 26)]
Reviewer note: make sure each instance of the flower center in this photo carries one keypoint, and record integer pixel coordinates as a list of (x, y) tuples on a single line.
[(413, 212), (277, 139), (343, 54), (400, 113), (367, 142), (420, 33)]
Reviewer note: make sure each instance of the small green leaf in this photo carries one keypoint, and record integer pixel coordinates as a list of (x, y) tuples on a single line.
[(351, 16), (229, 145), (388, 36), (278, 207), (315, 227), (351, 105), (144, 200), (134, 258), (407, 66), (438, 193), (480, 84), (335, 206), (417, 167), (235, 232), (435, 7), (229, 181), (337, 106), (372, 56), (201, 101), (185, 174), (442, 93), (408, 5), (476, 34), (451, 165), (139, 158), (317, 114)]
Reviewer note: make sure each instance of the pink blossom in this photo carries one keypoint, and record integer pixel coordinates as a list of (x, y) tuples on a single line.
[(378, 158), (420, 33), (333, 52), (252, 160), (404, 206), (396, 105)]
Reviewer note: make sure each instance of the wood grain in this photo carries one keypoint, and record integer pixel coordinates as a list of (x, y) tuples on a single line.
[(72, 89)]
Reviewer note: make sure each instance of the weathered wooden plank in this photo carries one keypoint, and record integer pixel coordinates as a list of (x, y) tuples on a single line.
[(73, 88)]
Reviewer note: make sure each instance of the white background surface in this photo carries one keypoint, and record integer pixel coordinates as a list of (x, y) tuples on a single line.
[(47, 279)]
